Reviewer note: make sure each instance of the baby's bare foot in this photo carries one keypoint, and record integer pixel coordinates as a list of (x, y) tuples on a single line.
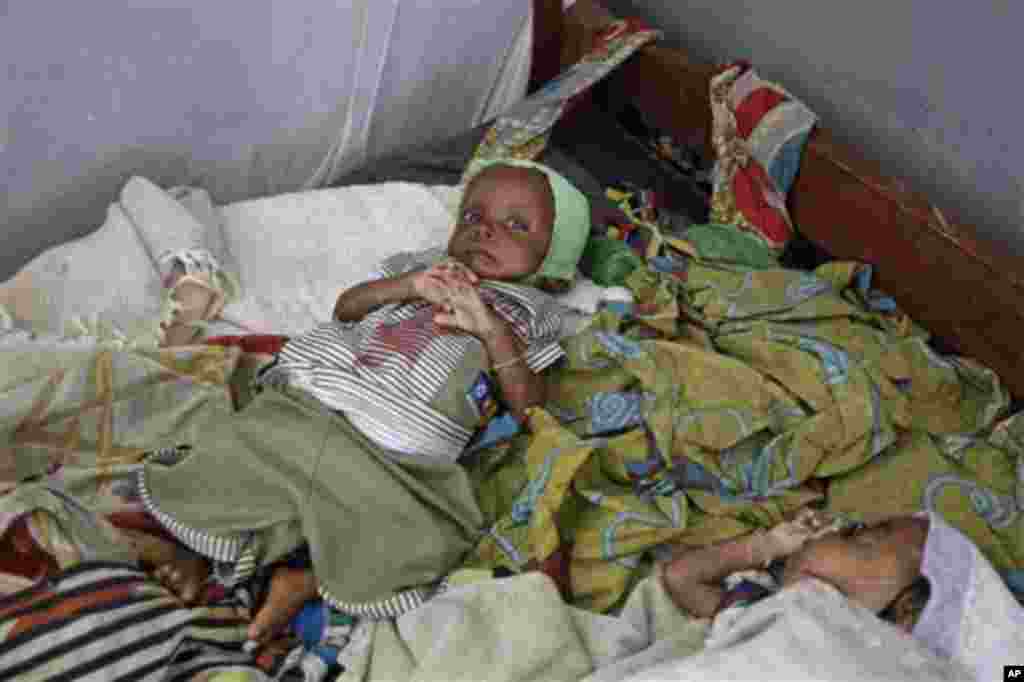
[(185, 575), (290, 588)]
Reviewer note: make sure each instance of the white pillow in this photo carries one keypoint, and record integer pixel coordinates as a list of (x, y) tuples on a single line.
[(174, 221), (297, 251)]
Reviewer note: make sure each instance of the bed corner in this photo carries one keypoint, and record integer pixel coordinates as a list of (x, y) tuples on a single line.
[(960, 285)]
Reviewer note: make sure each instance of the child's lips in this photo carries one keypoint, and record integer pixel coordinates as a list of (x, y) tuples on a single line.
[(482, 255)]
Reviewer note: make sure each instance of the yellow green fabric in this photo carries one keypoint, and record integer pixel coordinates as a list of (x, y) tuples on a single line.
[(729, 243), (90, 412), (726, 397)]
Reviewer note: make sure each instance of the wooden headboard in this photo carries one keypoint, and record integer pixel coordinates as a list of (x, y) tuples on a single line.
[(965, 289)]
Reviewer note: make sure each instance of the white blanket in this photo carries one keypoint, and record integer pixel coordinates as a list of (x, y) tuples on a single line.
[(519, 630)]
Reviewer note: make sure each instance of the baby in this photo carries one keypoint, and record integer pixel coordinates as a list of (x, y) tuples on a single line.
[(349, 450), (877, 566)]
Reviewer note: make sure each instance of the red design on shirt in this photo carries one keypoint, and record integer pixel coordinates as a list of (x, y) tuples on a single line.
[(407, 338)]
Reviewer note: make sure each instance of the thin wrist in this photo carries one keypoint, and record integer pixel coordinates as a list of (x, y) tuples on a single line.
[(495, 336), (506, 364), (504, 351), (761, 549), (408, 286)]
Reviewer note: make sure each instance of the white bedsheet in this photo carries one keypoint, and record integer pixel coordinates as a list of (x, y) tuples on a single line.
[(292, 254)]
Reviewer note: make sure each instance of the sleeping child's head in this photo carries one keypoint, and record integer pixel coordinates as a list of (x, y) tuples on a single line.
[(876, 565), (521, 221)]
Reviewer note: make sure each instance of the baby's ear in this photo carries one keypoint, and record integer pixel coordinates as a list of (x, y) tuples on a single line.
[(906, 608), (902, 614)]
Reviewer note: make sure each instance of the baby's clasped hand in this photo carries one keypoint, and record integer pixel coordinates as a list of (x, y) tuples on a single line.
[(434, 283), (452, 288), (463, 309)]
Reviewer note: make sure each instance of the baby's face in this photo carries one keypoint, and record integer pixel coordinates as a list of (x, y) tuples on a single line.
[(504, 228), (870, 565)]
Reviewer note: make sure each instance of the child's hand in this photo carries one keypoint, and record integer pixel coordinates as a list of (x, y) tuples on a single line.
[(463, 309), (789, 536), (433, 284)]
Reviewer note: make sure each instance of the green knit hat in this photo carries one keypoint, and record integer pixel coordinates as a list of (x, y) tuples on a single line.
[(571, 230)]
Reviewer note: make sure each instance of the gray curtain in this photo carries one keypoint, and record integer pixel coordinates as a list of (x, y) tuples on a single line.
[(241, 97)]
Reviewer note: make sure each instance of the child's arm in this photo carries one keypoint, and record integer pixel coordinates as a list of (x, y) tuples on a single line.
[(693, 579), (521, 387), (353, 304), (463, 309)]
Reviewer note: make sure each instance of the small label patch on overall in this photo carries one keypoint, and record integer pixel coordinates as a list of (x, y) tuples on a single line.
[(482, 396)]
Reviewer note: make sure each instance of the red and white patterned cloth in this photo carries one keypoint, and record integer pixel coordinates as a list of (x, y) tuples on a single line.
[(759, 132)]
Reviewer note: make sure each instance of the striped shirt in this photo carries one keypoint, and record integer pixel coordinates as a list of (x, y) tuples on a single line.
[(407, 384)]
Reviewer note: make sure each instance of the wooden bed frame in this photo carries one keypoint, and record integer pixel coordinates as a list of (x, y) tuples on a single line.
[(963, 288)]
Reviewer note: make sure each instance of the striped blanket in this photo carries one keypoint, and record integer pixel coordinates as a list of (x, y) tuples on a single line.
[(107, 621)]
